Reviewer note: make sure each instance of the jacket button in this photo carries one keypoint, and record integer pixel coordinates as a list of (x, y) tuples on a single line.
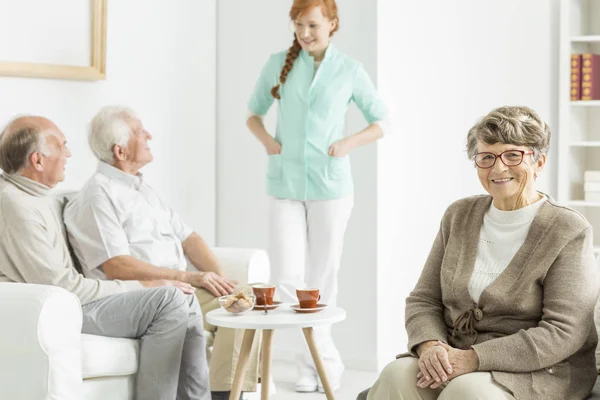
[(478, 314)]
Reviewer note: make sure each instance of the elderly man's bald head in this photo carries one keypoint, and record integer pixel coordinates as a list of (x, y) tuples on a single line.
[(21, 137), (29, 121)]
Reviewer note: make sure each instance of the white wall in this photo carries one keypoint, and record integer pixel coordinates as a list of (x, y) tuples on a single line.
[(248, 32), (445, 64), (160, 62)]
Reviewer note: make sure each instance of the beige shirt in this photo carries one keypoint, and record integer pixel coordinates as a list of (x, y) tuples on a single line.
[(118, 214), (533, 327), (33, 248)]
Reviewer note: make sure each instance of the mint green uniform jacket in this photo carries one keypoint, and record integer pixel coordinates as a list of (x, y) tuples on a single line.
[(310, 117)]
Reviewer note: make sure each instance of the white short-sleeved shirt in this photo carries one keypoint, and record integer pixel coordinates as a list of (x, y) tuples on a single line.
[(117, 214)]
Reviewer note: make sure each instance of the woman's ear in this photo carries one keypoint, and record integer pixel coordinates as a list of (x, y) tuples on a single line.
[(539, 165), (541, 161), (332, 25)]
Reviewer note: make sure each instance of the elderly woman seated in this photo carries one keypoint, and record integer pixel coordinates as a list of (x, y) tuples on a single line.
[(504, 306)]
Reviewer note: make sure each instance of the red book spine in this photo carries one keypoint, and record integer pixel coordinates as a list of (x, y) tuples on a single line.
[(575, 76), (590, 76)]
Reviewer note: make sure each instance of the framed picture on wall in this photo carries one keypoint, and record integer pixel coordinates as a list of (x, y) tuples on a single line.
[(59, 39)]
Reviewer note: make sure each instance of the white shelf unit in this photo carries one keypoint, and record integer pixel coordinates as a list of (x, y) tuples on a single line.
[(585, 144), (586, 39), (583, 203), (578, 144), (586, 103)]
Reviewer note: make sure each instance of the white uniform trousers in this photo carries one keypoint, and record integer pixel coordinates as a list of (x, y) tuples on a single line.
[(305, 249)]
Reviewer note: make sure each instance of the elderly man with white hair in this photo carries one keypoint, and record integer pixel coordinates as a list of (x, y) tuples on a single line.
[(120, 229), (33, 249)]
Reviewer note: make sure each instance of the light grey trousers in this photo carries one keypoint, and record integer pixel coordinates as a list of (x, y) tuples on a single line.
[(172, 345)]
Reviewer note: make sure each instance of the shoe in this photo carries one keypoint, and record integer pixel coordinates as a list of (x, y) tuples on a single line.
[(334, 387), (335, 380), (223, 395), (306, 384)]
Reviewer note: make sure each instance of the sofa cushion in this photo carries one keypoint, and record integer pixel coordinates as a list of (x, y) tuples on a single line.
[(105, 356)]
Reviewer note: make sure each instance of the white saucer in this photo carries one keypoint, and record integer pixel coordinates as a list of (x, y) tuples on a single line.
[(298, 309)]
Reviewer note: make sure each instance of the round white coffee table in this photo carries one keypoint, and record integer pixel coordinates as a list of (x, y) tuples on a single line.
[(280, 318)]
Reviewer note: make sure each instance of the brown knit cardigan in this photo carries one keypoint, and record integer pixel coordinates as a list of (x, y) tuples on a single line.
[(533, 327)]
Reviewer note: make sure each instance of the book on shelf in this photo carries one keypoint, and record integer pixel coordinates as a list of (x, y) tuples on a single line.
[(592, 196), (591, 176), (575, 76), (591, 186), (590, 76)]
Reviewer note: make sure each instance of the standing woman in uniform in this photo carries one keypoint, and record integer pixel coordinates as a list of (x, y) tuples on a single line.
[(309, 177)]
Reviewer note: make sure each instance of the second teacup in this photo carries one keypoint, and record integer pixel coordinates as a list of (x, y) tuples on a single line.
[(264, 294), (308, 298)]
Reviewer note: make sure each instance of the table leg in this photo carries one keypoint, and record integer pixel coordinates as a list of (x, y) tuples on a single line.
[(308, 335), (266, 363), (240, 370)]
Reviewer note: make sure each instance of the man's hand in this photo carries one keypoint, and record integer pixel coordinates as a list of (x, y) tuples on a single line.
[(216, 284), (461, 361), (184, 287)]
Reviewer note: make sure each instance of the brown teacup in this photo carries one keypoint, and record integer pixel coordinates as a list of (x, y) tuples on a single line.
[(308, 298), (264, 294)]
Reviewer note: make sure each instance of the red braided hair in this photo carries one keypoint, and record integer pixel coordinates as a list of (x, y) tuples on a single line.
[(329, 9)]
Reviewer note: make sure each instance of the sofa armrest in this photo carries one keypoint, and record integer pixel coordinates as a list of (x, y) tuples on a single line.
[(40, 351), (243, 265)]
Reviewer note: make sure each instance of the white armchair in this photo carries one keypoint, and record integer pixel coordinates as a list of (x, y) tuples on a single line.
[(44, 356)]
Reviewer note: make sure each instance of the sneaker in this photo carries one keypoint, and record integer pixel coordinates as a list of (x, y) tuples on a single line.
[(335, 380), (306, 384), (335, 387)]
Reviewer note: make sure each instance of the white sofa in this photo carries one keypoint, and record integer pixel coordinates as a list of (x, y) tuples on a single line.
[(44, 356)]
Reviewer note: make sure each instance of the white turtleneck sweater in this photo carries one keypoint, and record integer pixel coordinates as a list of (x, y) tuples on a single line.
[(33, 246), (502, 235)]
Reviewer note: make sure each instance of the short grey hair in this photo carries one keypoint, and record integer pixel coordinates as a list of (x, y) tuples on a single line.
[(110, 127), (16, 146), (516, 125)]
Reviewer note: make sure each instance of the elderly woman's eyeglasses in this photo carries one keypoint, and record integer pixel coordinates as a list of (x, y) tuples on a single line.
[(510, 158)]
